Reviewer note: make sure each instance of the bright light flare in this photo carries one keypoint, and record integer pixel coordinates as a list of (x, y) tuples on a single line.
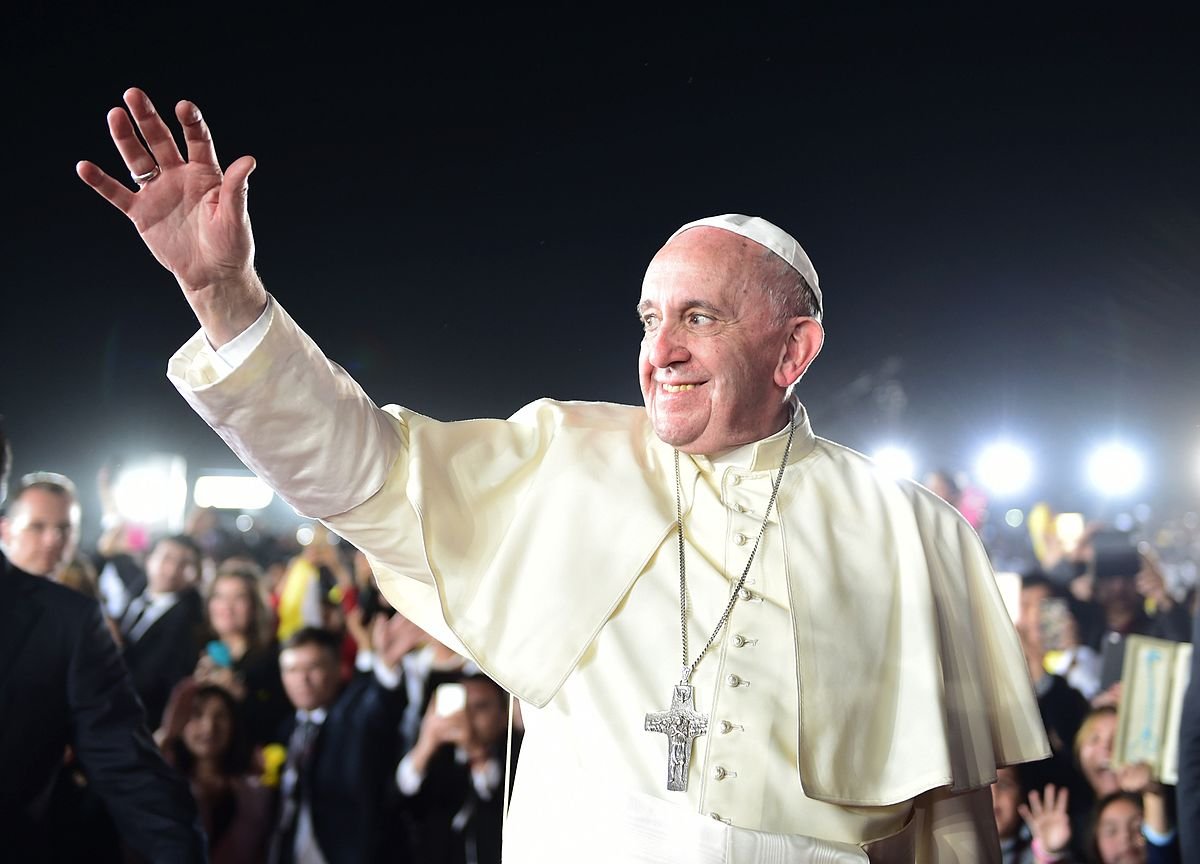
[(896, 461), (1116, 469), (1004, 469), (231, 493), (153, 492)]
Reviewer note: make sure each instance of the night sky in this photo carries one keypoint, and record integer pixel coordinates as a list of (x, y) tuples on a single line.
[(459, 206)]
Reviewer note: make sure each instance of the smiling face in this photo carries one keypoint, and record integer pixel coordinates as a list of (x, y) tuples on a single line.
[(1095, 752), (715, 363)]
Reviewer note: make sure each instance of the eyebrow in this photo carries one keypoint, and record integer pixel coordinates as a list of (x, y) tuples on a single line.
[(646, 305)]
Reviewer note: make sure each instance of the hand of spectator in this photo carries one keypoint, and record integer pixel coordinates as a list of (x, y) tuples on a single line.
[(1047, 818), (1109, 698), (192, 217), (208, 672), (1135, 777), (437, 730), (178, 710), (394, 637), (358, 629)]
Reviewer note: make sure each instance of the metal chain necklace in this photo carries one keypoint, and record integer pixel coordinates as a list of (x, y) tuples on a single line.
[(682, 723)]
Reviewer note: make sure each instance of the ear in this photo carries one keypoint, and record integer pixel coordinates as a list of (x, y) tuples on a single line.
[(805, 336)]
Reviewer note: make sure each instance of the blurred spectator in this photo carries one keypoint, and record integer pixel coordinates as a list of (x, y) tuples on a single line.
[(1015, 839), (243, 656), (304, 593), (1062, 707), (341, 752), (206, 742), (1123, 832), (78, 574), (455, 777), (163, 625), (1047, 826), (40, 529), (1188, 790), (62, 683)]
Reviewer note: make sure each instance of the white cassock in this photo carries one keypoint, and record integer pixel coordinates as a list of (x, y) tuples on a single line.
[(862, 694)]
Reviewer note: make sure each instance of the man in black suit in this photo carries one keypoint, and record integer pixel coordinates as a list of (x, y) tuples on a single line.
[(62, 683), (453, 777), (342, 753), (163, 626)]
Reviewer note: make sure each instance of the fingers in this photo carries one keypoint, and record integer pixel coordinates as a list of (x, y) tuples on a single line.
[(109, 189), (153, 129), (235, 188)]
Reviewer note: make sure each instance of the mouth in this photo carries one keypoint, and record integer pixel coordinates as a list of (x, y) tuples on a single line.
[(678, 388)]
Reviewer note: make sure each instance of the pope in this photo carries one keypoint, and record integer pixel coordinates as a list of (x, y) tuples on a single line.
[(736, 641)]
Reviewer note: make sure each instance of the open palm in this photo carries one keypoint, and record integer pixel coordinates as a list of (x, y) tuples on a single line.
[(191, 215)]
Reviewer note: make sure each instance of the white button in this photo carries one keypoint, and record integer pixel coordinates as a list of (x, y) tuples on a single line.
[(726, 727), (733, 681), (740, 539), (739, 508), (744, 594), (719, 773), (735, 479), (719, 817), (739, 641)]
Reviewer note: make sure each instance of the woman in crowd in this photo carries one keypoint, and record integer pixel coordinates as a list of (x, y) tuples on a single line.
[(243, 656), (205, 741)]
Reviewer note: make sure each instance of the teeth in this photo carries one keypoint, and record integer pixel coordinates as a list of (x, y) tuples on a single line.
[(678, 388)]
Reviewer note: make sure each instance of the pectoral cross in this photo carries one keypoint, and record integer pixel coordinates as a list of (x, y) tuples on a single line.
[(681, 724)]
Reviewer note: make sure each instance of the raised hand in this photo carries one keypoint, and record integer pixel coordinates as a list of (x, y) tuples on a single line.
[(190, 214), (1047, 818)]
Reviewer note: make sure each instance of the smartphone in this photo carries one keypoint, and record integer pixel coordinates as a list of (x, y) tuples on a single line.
[(1116, 555), (218, 652), (449, 699), (1112, 659), (1054, 622)]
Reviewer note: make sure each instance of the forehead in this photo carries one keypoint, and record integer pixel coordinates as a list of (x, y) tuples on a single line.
[(42, 505), (702, 263), (305, 655)]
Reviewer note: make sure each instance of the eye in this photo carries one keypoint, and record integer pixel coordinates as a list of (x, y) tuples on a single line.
[(649, 322), (699, 319)]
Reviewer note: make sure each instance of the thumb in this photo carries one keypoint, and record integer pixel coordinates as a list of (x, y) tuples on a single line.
[(235, 187)]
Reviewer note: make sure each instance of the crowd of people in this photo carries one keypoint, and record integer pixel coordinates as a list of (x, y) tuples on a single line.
[(310, 722), (308, 718)]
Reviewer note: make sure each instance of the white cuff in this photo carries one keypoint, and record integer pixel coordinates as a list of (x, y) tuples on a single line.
[(234, 352), (486, 779), (408, 781)]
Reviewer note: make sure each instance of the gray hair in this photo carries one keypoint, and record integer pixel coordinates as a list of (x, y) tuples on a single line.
[(788, 292)]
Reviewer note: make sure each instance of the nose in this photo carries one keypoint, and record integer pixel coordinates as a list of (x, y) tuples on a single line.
[(665, 347)]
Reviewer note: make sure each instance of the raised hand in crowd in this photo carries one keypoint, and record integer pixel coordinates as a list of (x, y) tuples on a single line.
[(394, 637), (1048, 820), (191, 215)]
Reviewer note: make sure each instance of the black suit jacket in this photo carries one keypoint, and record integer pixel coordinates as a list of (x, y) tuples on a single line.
[(166, 653), (62, 682), (352, 776), (1188, 790)]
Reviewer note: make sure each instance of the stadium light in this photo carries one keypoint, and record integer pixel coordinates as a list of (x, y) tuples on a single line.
[(896, 461), (1115, 469), (226, 492), (1004, 469), (153, 492)]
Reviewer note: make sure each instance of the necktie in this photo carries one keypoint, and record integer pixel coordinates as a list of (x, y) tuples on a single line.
[(299, 755)]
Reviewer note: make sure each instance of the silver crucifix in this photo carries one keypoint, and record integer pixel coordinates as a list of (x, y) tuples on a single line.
[(682, 724)]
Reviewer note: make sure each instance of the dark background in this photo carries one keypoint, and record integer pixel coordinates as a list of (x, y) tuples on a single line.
[(459, 206)]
